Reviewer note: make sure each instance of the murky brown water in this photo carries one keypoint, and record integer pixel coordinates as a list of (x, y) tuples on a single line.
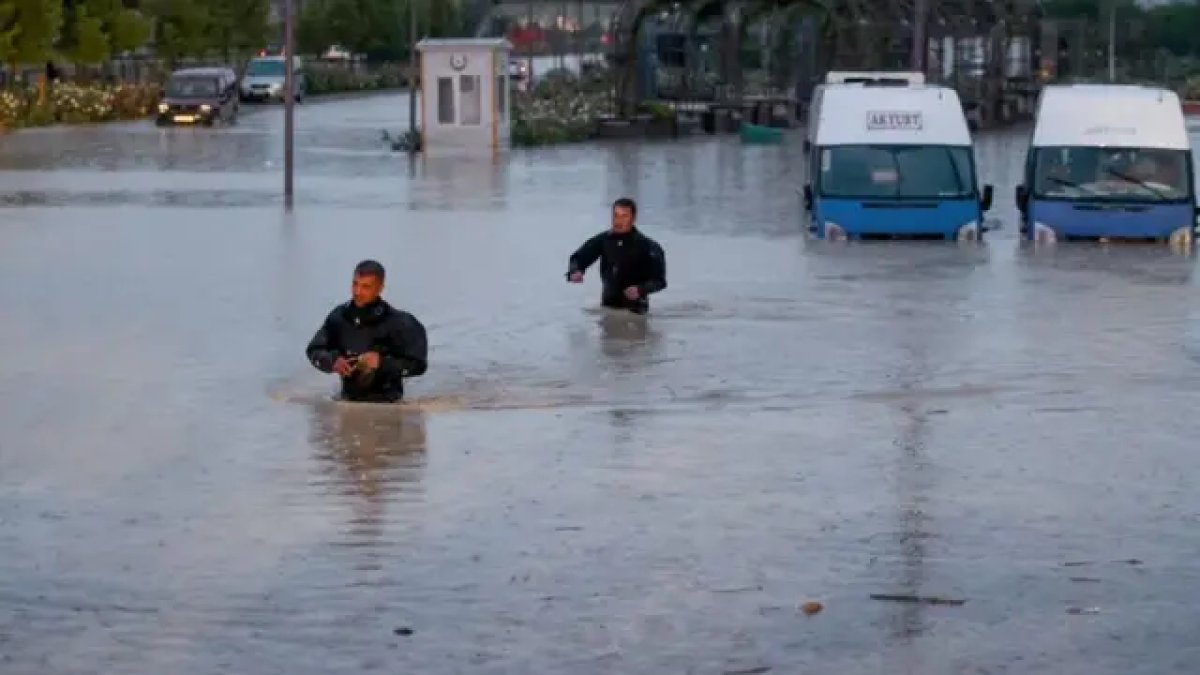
[(569, 491)]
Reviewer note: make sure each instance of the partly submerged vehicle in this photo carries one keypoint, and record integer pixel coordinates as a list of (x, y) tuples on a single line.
[(199, 96), (1109, 162), (266, 77), (891, 157)]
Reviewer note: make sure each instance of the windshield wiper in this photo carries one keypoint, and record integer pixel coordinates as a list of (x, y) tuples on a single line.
[(1070, 183), (1137, 181)]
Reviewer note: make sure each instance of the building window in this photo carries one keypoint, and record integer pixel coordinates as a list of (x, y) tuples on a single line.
[(472, 100), (501, 97), (445, 100)]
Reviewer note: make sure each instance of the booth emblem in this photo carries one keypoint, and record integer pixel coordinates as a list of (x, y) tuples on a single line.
[(458, 61)]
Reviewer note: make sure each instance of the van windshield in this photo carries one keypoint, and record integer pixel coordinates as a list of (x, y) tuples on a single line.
[(192, 86), (265, 68), (896, 171), (1121, 174)]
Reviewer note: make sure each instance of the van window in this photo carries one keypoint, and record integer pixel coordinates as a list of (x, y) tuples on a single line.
[(1151, 174), (891, 171)]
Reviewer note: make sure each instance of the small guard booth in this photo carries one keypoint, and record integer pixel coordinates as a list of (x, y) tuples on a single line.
[(465, 101)]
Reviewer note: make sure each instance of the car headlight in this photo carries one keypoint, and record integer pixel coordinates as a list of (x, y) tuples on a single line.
[(205, 108), (163, 107), (968, 232), (1044, 233), (834, 232)]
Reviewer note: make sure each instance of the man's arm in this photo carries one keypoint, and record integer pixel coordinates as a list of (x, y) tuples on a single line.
[(323, 349), (657, 259), (586, 255), (409, 353)]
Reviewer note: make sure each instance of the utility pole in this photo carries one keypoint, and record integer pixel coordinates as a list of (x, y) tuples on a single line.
[(289, 102), (1112, 40), (919, 46), (413, 71)]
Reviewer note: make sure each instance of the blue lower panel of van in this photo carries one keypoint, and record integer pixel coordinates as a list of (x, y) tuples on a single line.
[(1133, 221), (865, 218)]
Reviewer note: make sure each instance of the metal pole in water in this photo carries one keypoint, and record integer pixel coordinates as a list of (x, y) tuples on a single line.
[(413, 73), (289, 103)]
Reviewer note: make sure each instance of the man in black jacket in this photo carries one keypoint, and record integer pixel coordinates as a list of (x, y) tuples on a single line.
[(368, 343), (632, 265)]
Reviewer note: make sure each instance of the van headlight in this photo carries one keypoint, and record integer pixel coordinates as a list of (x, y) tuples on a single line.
[(1043, 233), (205, 108), (968, 232), (163, 107), (1182, 237), (834, 232)]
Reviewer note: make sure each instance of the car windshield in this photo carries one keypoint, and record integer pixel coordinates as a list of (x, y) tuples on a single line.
[(192, 86), (1123, 174), (265, 68), (896, 171)]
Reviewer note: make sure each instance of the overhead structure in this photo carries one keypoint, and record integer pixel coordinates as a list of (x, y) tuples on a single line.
[(985, 49)]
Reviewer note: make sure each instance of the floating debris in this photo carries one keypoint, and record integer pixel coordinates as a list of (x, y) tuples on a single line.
[(757, 670), (403, 630), (923, 599), (1083, 610), (811, 607), (1085, 580)]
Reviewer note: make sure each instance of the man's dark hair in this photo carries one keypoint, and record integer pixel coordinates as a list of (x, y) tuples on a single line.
[(369, 268), (626, 202)]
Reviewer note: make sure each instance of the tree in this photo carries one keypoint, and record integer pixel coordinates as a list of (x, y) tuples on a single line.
[(30, 31), (90, 46), (238, 28), (181, 29)]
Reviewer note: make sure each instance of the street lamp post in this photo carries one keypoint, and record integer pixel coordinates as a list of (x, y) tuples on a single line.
[(1112, 41), (919, 46), (289, 103)]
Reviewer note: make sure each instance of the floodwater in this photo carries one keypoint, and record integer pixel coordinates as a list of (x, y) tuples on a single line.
[(570, 491)]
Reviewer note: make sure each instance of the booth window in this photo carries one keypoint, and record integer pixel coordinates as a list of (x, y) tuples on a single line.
[(472, 101), (501, 96), (445, 100)]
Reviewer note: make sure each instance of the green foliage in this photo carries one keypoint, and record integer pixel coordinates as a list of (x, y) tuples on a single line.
[(377, 28), (30, 31), (127, 30), (91, 45), (181, 29)]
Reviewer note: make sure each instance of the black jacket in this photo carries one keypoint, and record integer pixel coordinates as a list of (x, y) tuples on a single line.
[(630, 259), (350, 331)]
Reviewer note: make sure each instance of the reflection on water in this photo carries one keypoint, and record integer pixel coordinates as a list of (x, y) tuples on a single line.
[(372, 455)]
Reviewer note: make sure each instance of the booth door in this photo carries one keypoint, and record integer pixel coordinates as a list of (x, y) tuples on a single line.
[(460, 100)]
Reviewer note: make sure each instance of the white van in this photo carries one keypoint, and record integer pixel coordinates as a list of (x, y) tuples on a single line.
[(890, 160), (1108, 162)]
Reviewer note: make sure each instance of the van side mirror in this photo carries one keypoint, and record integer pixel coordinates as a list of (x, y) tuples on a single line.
[(808, 198), (1022, 198), (986, 202), (807, 146)]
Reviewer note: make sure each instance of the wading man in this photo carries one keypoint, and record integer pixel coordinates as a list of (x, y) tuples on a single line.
[(632, 265), (368, 343)]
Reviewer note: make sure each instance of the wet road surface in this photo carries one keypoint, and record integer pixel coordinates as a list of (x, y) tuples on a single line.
[(570, 491)]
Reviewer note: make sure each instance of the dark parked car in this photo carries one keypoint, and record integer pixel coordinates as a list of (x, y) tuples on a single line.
[(199, 96)]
